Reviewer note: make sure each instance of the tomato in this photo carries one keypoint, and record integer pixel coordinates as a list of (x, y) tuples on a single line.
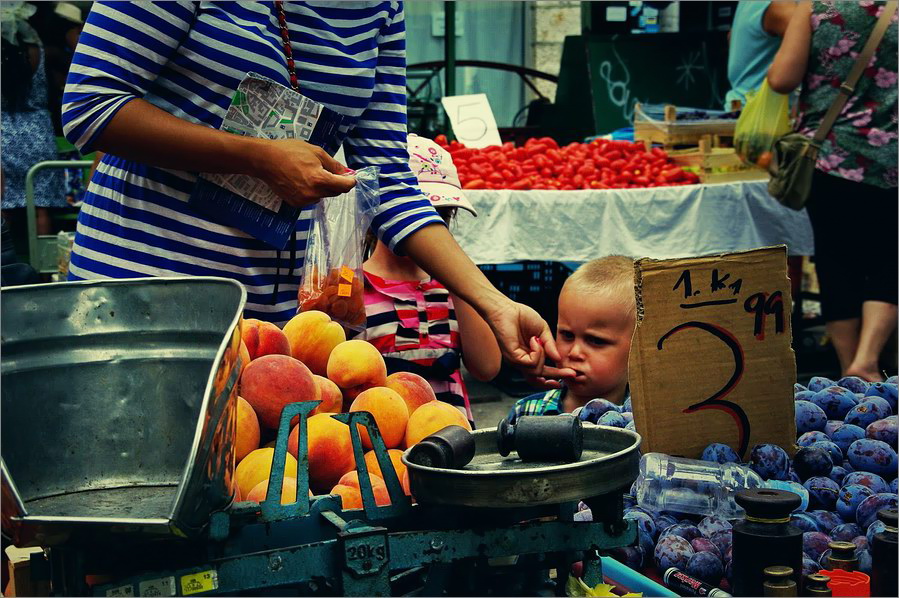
[(440, 139), (475, 184), (521, 184)]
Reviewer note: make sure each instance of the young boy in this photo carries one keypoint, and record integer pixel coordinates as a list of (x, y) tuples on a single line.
[(597, 315)]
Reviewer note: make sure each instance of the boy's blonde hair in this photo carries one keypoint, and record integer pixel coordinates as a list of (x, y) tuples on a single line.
[(612, 276)]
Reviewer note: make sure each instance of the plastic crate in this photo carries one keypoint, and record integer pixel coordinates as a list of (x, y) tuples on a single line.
[(536, 284)]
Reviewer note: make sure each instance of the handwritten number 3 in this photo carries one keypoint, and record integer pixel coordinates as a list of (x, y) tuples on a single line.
[(716, 400)]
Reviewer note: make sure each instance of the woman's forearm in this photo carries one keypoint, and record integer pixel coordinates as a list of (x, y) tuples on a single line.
[(145, 133), (480, 351)]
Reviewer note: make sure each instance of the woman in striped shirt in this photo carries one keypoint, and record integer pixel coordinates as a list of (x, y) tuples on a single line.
[(150, 84)]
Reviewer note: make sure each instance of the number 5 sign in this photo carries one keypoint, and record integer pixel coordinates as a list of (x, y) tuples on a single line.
[(472, 120), (711, 359)]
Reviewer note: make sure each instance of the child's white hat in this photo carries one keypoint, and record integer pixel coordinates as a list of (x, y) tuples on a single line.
[(436, 173)]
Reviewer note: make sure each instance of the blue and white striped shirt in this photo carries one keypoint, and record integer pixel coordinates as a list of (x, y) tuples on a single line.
[(188, 59)]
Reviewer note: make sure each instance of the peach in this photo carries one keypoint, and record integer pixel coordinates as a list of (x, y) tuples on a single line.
[(263, 338), (356, 363), (404, 482), (330, 450), (288, 491), (244, 354), (414, 389), (350, 497), (378, 487), (247, 436), (312, 336), (389, 411), (271, 382), (433, 417), (330, 395), (396, 459), (257, 466)]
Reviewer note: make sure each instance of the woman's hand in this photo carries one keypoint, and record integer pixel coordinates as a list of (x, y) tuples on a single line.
[(525, 341), (301, 173)]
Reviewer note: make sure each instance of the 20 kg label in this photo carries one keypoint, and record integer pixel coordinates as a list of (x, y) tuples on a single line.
[(366, 551)]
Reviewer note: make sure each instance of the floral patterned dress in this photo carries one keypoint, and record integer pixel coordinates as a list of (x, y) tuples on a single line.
[(861, 146)]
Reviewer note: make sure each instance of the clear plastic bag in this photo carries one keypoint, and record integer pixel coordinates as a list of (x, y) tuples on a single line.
[(764, 119), (332, 272)]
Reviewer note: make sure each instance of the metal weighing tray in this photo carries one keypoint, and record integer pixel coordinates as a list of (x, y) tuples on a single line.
[(117, 407), (610, 462)]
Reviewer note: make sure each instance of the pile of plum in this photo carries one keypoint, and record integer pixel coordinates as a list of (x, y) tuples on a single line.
[(847, 439)]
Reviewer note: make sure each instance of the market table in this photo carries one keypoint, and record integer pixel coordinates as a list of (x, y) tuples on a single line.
[(659, 222)]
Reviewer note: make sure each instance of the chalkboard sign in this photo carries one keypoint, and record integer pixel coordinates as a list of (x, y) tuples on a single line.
[(601, 78)]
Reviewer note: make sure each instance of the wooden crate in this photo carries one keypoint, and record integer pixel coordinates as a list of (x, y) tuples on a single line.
[(671, 133), (716, 164)]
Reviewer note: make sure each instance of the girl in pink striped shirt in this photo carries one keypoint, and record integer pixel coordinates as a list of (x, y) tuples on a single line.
[(416, 324)]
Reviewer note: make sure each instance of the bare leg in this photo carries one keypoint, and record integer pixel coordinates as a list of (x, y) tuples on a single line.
[(44, 223), (879, 321), (844, 336)]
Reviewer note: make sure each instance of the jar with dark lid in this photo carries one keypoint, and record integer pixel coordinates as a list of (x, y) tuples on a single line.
[(779, 582), (841, 556), (765, 538), (816, 585), (884, 572)]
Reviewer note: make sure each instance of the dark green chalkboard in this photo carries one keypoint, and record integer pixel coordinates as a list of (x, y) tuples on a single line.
[(602, 77)]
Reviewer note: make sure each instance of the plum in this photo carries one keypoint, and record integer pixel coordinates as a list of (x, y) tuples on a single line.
[(836, 454), (805, 395), (894, 486), (718, 452), (645, 542), (612, 418), (809, 566), (875, 528), (822, 492), (873, 456), (672, 551), (874, 482), (664, 521), (809, 417), (866, 514), (890, 380), (630, 426), (868, 411), (626, 406), (819, 383), (798, 387), (837, 474), (883, 430), (723, 539), (687, 531), (853, 383), (729, 555), (814, 436), (711, 524), (812, 461), (595, 408), (835, 401), (644, 522), (705, 566), (629, 556), (814, 544), (846, 435), (885, 390), (881, 403), (705, 545), (628, 501), (770, 461), (849, 498), (861, 541), (832, 426), (794, 477), (628, 417), (845, 532), (827, 520), (865, 563)]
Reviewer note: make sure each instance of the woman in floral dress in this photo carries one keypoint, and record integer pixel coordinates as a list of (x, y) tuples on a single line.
[(853, 204)]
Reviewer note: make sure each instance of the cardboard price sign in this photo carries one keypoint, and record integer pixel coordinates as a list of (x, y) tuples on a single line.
[(711, 359)]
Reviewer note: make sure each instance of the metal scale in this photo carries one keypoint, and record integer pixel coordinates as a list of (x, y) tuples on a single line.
[(135, 485)]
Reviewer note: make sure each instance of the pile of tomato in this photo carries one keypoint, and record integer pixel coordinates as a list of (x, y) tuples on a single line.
[(541, 164)]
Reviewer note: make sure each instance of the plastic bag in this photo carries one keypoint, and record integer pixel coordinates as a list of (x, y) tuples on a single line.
[(575, 587), (764, 119), (332, 273)]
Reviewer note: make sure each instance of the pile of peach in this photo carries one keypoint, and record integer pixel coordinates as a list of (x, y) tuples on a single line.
[(311, 360)]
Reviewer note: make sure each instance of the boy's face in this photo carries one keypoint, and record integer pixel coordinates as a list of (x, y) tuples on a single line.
[(594, 337)]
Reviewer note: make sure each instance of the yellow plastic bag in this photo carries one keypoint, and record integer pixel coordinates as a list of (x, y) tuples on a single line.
[(577, 588), (764, 119)]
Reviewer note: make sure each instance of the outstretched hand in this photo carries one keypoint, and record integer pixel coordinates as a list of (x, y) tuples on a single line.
[(526, 341)]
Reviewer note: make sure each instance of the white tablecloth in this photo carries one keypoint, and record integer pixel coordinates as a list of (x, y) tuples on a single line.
[(660, 222)]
